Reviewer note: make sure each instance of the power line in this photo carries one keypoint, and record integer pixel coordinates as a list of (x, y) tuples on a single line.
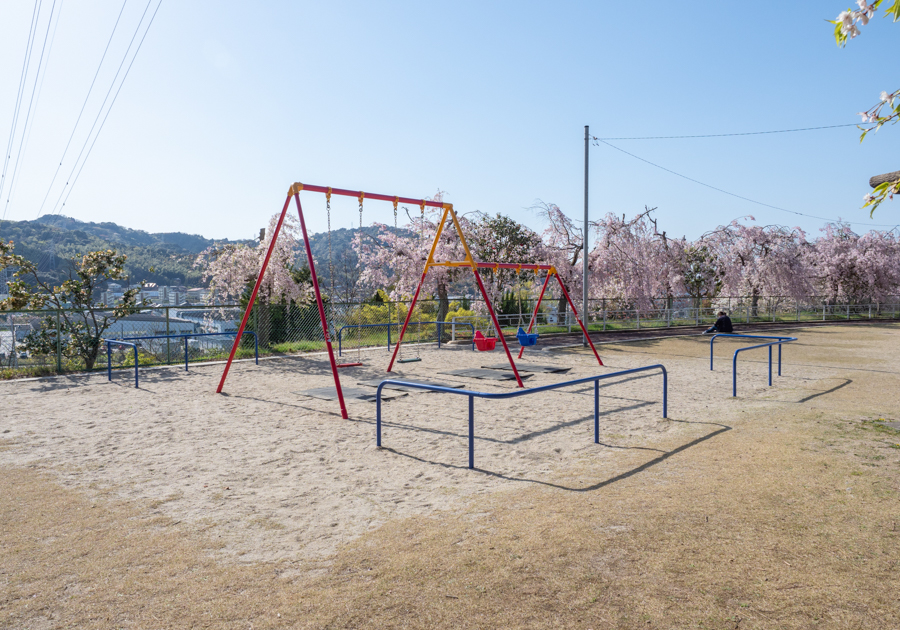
[(31, 102), (32, 31), (87, 140), (727, 135), (109, 109), (759, 203), (83, 105)]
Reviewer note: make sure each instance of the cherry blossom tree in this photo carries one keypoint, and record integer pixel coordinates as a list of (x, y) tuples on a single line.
[(634, 262), (230, 269), (846, 27), (853, 268), (395, 261), (563, 247), (761, 260)]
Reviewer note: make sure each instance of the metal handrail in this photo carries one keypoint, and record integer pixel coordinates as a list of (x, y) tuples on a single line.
[(124, 341), (779, 341), (389, 324), (713, 338), (519, 392), (187, 335), (109, 343)]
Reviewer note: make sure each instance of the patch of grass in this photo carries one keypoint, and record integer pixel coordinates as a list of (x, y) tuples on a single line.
[(31, 371), (298, 346)]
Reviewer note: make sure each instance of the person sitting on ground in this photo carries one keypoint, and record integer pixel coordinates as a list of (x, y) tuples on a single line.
[(722, 325)]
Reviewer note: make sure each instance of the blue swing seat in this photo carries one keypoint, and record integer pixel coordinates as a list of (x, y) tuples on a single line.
[(526, 339)]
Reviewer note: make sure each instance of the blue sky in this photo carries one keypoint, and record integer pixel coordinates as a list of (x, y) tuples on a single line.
[(228, 103)]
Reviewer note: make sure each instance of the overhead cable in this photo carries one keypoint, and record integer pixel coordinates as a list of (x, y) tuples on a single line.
[(31, 103), (66, 191), (759, 203), (727, 135), (32, 31), (83, 105)]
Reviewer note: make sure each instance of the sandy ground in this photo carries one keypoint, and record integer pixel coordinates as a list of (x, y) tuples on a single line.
[(274, 475)]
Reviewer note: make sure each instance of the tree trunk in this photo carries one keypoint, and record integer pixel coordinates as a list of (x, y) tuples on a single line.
[(562, 306), (90, 357), (443, 307), (754, 303)]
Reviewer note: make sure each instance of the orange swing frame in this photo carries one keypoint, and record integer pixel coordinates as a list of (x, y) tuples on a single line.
[(472, 264)]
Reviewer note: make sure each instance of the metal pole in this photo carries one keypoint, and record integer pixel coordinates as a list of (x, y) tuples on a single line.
[(471, 431), (584, 251), (168, 345), (59, 342)]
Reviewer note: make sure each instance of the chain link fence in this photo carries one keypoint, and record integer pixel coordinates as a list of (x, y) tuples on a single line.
[(354, 327)]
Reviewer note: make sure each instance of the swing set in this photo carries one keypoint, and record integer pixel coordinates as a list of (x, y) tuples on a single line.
[(526, 338)]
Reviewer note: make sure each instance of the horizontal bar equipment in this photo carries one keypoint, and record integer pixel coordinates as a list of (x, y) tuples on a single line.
[(735, 335), (124, 342), (109, 343), (778, 342), (520, 392), (361, 195), (389, 324)]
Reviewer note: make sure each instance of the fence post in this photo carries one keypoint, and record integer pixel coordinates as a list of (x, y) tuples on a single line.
[(604, 318), (15, 353), (637, 315), (748, 313), (798, 312), (168, 343), (870, 311), (697, 316), (823, 311), (453, 329), (848, 312), (59, 344)]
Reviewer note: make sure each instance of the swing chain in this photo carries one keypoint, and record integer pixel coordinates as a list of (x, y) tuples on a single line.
[(330, 257), (396, 201)]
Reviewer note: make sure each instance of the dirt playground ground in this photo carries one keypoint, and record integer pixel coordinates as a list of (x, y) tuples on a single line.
[(170, 506)]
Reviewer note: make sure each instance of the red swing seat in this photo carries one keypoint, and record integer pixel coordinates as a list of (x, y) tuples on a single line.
[(484, 343)]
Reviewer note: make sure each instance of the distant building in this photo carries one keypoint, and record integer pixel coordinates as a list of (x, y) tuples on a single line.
[(210, 320), (147, 324)]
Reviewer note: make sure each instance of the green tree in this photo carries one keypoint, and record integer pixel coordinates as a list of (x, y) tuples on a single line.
[(82, 321)]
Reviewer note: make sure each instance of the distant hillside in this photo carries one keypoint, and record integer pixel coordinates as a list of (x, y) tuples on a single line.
[(161, 257), (53, 242)]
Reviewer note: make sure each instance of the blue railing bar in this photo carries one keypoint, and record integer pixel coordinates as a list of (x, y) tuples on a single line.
[(109, 343), (519, 392), (761, 345), (713, 338), (187, 335), (439, 324)]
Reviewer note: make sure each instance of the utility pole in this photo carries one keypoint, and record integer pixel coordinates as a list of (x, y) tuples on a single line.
[(584, 251)]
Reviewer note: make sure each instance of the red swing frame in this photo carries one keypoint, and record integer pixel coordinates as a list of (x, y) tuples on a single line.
[(294, 191)]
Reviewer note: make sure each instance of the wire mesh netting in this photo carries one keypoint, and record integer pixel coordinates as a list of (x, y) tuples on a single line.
[(34, 343)]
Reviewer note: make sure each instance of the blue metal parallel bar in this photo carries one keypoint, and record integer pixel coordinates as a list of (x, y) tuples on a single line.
[(188, 335), (119, 342), (520, 392), (779, 341), (713, 338), (440, 326), (125, 342)]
